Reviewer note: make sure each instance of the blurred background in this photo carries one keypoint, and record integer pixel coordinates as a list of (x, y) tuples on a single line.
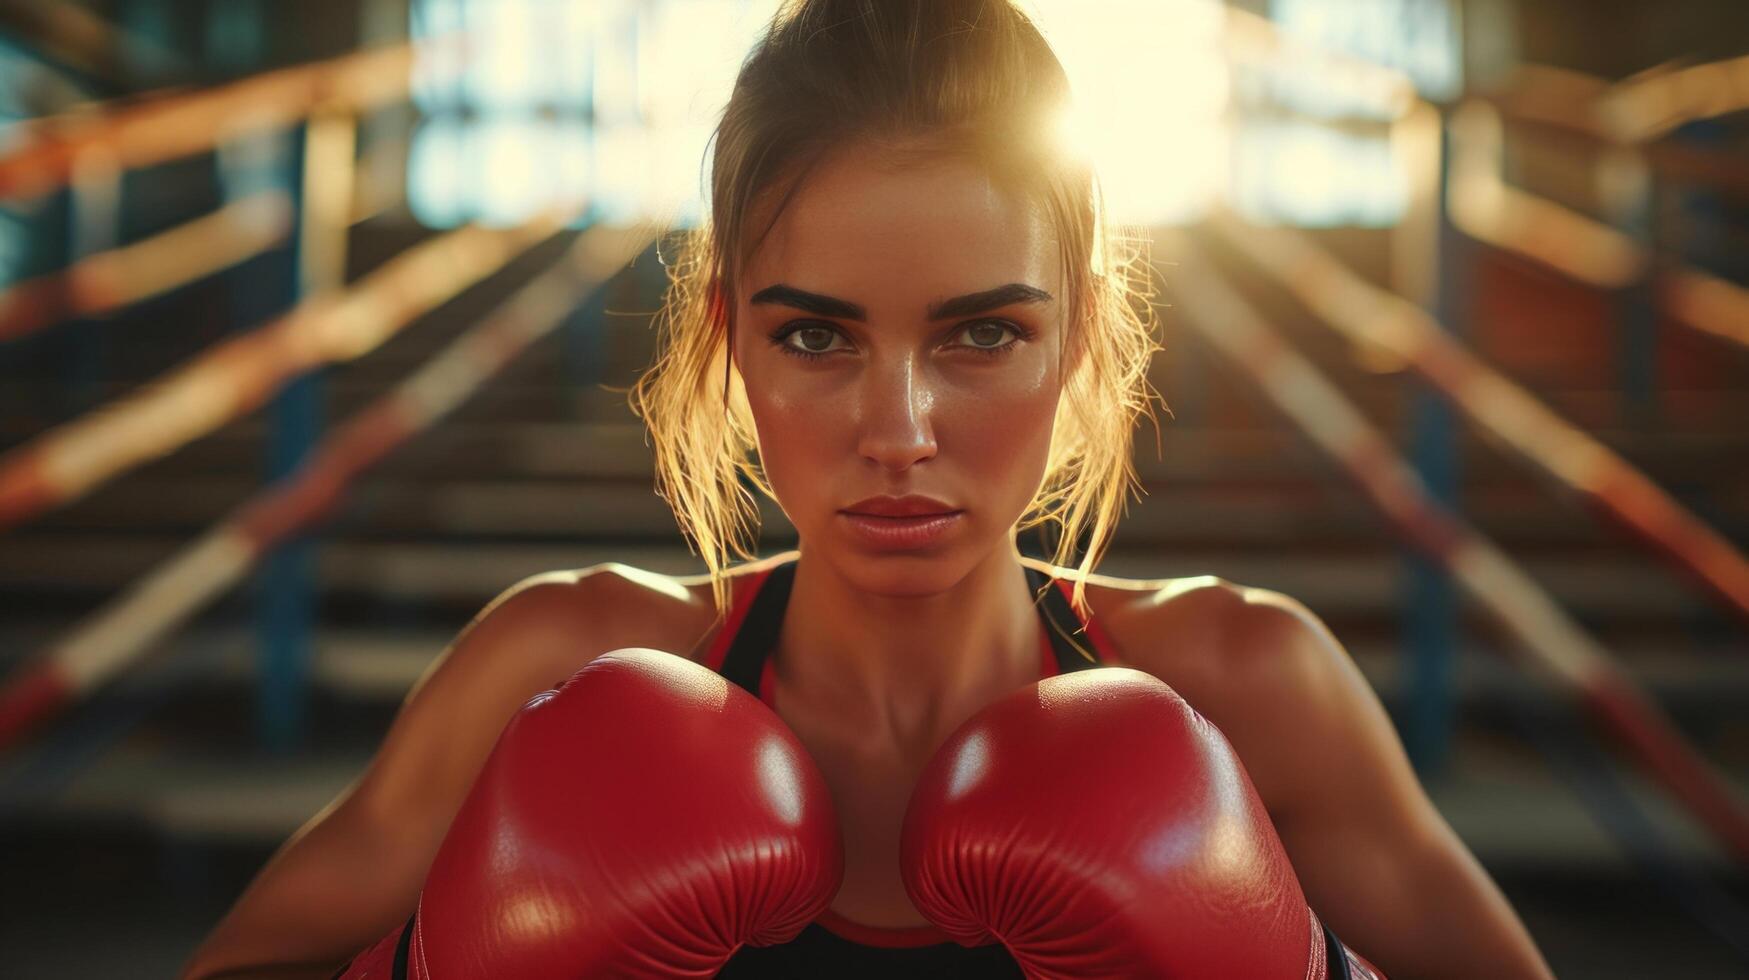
[(314, 319)]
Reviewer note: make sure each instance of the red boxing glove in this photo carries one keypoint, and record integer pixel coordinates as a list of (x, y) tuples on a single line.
[(644, 820), (1099, 827)]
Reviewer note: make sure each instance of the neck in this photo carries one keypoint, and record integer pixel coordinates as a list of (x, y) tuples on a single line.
[(901, 672)]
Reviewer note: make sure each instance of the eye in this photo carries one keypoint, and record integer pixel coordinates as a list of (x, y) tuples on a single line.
[(987, 330), (813, 334), (816, 335)]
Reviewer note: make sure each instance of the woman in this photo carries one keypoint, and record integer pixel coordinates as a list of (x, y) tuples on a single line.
[(905, 302)]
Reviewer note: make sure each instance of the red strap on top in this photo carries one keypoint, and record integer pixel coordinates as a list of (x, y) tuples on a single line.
[(1047, 657), (719, 649), (1095, 637)]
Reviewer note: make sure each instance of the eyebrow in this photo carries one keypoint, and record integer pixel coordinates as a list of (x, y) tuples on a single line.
[(988, 299)]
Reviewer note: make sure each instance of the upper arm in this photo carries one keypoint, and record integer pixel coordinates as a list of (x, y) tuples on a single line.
[(1376, 859), (529, 639), (354, 869)]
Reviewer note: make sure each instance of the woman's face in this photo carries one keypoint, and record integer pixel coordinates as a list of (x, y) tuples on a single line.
[(898, 333)]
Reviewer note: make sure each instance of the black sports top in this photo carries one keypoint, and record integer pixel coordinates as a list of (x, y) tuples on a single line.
[(832, 946)]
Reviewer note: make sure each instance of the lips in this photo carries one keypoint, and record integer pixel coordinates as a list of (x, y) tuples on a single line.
[(910, 505), (902, 533)]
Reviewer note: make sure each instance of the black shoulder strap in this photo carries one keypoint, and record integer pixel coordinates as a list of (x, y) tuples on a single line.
[(1336, 958), (398, 971), (1061, 624), (745, 660)]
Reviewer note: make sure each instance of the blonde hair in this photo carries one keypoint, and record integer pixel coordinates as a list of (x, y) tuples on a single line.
[(927, 76)]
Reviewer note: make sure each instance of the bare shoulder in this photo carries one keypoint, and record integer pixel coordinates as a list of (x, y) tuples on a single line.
[(1194, 627), (624, 605), (1247, 659), (1151, 620), (1259, 665), (691, 606), (573, 615), (620, 605), (628, 606), (557, 603)]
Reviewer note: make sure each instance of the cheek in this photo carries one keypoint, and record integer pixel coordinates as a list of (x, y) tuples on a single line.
[(802, 427), (793, 424), (1002, 427)]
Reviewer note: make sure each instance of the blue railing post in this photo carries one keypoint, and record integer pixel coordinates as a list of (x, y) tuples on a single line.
[(1432, 608), (1637, 309), (285, 597), (263, 288), (286, 604)]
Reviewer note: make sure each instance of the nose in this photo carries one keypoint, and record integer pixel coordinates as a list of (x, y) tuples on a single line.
[(897, 406)]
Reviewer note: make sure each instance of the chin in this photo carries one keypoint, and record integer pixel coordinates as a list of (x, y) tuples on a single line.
[(900, 574)]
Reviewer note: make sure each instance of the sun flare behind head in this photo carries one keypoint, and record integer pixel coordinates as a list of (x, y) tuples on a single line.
[(1150, 89)]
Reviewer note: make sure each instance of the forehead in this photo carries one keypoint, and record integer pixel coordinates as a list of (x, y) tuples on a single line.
[(888, 233)]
